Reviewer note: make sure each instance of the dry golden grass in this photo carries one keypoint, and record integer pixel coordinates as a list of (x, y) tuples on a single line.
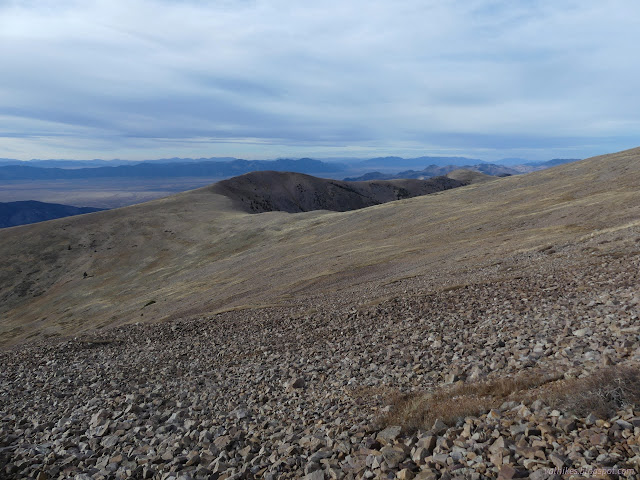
[(601, 393), (453, 403), (195, 254)]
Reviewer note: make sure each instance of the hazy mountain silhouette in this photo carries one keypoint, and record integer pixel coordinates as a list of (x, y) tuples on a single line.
[(21, 213), (436, 170), (419, 162), (164, 170)]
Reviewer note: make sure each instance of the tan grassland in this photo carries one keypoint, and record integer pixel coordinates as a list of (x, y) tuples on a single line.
[(194, 254)]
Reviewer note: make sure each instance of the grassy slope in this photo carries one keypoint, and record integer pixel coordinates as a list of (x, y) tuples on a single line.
[(194, 254)]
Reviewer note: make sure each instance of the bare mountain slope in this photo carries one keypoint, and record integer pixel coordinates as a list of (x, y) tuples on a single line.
[(470, 176), (270, 191), (195, 253)]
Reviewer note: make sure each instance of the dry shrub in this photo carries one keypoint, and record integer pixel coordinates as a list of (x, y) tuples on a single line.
[(417, 411), (453, 403), (602, 393)]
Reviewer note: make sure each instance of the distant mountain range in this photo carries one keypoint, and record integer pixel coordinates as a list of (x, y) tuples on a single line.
[(21, 213), (229, 166), (168, 170), (435, 171), (552, 163), (546, 164), (61, 163), (418, 162), (371, 162), (439, 170)]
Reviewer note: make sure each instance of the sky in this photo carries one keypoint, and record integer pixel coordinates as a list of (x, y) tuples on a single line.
[(278, 78)]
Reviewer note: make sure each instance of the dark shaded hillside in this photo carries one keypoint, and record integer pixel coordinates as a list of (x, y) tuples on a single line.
[(167, 170), (22, 213), (259, 192)]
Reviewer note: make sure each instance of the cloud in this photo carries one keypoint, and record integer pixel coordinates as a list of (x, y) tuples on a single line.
[(146, 78)]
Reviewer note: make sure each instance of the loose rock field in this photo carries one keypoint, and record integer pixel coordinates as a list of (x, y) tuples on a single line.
[(302, 391)]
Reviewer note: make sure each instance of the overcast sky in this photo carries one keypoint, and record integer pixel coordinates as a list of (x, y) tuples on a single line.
[(263, 79)]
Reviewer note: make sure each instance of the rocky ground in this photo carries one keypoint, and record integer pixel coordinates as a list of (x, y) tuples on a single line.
[(301, 391)]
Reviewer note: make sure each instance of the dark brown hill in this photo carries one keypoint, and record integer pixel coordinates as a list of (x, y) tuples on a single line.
[(270, 191)]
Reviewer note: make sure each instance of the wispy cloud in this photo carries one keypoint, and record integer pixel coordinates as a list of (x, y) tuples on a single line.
[(257, 78)]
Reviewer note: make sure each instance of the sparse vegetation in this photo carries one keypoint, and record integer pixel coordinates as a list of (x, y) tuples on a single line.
[(602, 393), (452, 403)]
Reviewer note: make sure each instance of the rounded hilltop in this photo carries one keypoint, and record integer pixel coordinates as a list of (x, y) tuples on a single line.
[(269, 191)]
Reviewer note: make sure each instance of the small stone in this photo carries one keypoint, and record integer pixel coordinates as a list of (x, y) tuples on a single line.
[(320, 455), (296, 384), (428, 474), (582, 332), (450, 378), (439, 427), (110, 441), (496, 459), (419, 455), (393, 456), (428, 443), (507, 472), (624, 424), (494, 414), (475, 374), (405, 474), (558, 460), (389, 434), (98, 418), (599, 439), (240, 413), (440, 458), (222, 442), (315, 475), (500, 444), (311, 467), (591, 419), (566, 425)]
